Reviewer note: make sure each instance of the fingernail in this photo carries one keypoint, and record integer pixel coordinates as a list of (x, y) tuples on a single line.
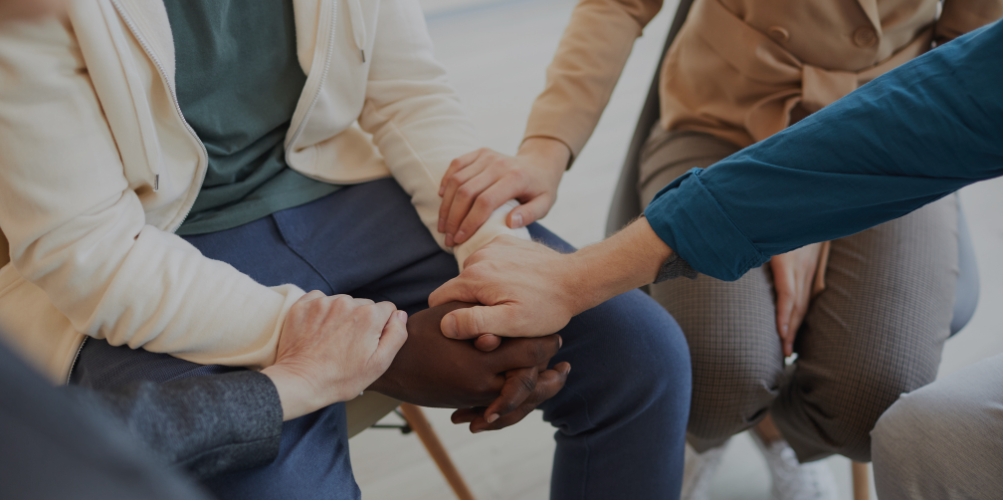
[(460, 236), (475, 431), (402, 315), (516, 221), (442, 190), (449, 326), (568, 370), (560, 341), (785, 329), (492, 417), (449, 240)]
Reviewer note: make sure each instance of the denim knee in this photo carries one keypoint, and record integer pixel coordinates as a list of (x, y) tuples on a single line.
[(654, 350)]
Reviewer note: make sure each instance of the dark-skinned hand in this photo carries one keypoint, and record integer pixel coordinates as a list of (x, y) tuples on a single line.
[(494, 384)]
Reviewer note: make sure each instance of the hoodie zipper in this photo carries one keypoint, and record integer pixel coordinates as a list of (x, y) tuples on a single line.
[(320, 85), (203, 154), (73, 364)]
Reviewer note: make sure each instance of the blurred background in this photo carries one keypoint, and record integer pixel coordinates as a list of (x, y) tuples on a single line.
[(496, 52)]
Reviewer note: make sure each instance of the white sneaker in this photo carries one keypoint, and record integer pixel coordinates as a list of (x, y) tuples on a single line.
[(698, 471), (793, 480)]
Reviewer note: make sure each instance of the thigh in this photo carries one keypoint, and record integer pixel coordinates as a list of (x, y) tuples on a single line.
[(945, 440), (313, 460), (368, 241), (876, 331), (735, 350), (730, 326)]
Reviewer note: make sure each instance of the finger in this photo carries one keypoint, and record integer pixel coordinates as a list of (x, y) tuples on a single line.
[(465, 198), (520, 353), (456, 165), (488, 343), (453, 188), (548, 384), (385, 311), (464, 415), (458, 289), (493, 196), (502, 320), (312, 295), (519, 384), (453, 183), (392, 339), (797, 318), (530, 212)]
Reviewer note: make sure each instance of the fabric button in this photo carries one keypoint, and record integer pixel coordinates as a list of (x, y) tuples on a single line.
[(779, 34), (865, 37)]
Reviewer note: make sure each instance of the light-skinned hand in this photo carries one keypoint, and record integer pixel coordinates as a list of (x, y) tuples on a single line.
[(477, 183), (331, 348), (793, 276), (499, 383), (521, 285)]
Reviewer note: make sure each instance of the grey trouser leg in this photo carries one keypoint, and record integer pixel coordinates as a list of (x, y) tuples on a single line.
[(875, 332), (944, 441)]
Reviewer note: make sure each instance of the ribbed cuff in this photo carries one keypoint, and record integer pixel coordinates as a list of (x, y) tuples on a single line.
[(687, 217)]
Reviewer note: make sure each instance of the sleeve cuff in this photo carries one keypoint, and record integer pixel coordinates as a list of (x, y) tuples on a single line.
[(495, 226), (687, 217)]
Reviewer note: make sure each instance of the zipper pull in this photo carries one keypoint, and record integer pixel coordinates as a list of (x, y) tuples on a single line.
[(156, 183)]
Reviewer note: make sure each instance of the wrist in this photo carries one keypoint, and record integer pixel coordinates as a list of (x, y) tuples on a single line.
[(296, 395), (629, 259), (551, 154)]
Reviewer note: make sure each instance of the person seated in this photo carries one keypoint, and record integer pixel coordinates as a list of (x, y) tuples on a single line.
[(175, 175), (867, 314)]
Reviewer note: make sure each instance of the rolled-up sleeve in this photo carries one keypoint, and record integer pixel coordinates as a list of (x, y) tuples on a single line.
[(904, 140)]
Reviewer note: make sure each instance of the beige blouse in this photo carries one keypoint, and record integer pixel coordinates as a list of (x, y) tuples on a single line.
[(740, 68)]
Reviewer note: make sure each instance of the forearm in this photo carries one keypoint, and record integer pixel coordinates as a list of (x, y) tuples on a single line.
[(910, 137), (207, 425), (589, 60), (629, 259)]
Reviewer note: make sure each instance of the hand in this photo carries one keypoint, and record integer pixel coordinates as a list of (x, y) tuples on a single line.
[(504, 384), (331, 348), (477, 183), (522, 286), (793, 275)]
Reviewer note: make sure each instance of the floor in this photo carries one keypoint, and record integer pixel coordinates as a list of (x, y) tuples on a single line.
[(496, 52)]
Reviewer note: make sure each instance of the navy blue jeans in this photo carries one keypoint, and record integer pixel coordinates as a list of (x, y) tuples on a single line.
[(620, 419)]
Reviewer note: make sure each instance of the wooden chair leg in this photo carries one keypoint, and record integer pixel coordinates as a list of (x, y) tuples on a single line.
[(416, 419), (861, 480)]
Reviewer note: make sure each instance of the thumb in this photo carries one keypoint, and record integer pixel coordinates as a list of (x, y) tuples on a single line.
[(530, 212), (457, 289), (479, 320)]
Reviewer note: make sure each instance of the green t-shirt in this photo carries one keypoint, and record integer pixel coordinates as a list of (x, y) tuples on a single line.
[(238, 81)]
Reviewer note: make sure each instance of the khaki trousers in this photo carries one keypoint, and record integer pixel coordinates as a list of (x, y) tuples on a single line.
[(875, 332)]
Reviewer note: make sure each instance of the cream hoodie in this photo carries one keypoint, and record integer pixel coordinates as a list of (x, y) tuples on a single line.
[(98, 168)]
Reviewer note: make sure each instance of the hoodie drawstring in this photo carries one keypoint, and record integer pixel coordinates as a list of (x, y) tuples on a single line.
[(358, 27)]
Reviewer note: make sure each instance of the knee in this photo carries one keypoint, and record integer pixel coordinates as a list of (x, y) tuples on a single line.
[(654, 345), (732, 391), (729, 402), (906, 442)]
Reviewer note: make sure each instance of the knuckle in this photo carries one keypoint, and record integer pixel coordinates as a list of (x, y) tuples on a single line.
[(518, 174), (539, 353), (528, 383), (465, 192), (485, 202)]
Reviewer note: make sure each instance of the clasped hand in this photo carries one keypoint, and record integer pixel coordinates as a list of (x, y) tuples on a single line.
[(494, 384), (332, 348)]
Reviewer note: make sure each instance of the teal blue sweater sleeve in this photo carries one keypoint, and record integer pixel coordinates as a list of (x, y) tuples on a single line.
[(908, 138)]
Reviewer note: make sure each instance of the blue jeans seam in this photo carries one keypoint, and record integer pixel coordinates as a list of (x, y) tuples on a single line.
[(285, 239)]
